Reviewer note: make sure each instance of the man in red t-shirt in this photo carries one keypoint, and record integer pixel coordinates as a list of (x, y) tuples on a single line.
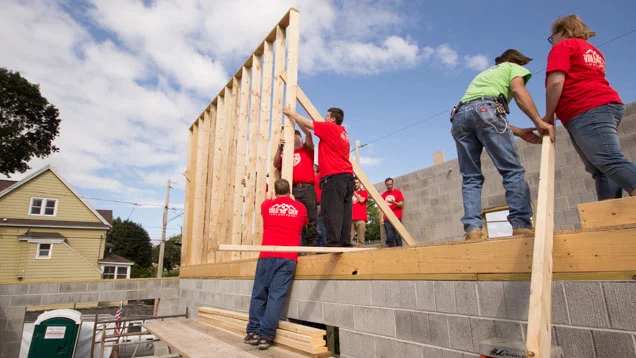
[(336, 173), (359, 212), (303, 180), (283, 221), (395, 200)]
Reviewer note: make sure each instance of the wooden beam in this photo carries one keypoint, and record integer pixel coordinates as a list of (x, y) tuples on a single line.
[(608, 213), (293, 41), (538, 342), (263, 145), (208, 192), (364, 180), (216, 207), (581, 251), (277, 104), (200, 186), (231, 183), (186, 240), (264, 248)]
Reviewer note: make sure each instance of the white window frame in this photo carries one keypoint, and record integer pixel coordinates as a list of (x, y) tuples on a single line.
[(104, 265), (43, 206), (37, 251)]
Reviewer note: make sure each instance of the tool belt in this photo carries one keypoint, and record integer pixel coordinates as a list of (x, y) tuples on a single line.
[(501, 105)]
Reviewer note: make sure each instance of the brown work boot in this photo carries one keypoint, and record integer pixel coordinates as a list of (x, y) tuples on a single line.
[(472, 235), (522, 231)]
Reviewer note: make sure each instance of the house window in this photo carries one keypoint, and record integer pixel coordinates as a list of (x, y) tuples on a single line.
[(44, 251), (497, 224), (43, 207), (122, 272), (115, 272), (109, 272)]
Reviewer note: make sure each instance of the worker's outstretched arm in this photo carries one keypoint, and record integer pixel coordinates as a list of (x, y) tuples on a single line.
[(305, 124), (526, 104)]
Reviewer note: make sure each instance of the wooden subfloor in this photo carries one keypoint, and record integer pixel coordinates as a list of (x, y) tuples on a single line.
[(192, 339)]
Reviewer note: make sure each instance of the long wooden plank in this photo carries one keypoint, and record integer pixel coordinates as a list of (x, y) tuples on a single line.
[(612, 250), (250, 181), (186, 240), (284, 325), (538, 342), (364, 180), (201, 175), (263, 140), (608, 213), (261, 248), (238, 223), (218, 185), (277, 103), (231, 170), (208, 192), (293, 41)]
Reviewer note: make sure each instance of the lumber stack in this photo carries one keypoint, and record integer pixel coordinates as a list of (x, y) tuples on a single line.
[(303, 339)]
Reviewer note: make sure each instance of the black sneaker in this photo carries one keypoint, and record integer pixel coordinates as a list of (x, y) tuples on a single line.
[(251, 338), (264, 343)]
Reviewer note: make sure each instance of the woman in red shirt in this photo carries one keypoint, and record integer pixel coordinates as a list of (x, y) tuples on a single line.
[(580, 96)]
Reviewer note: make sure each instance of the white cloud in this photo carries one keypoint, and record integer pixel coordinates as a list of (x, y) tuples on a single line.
[(446, 55), (370, 161), (477, 62)]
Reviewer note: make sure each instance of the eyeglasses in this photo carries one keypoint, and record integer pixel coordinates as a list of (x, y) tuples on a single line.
[(551, 39)]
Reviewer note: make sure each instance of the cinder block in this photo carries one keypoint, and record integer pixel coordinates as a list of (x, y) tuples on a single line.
[(576, 342), (356, 344), (310, 311), (111, 296), (374, 320), (292, 309), (72, 287), (403, 325), (481, 329), (388, 348), (621, 304), (339, 315), (325, 291), (445, 296), (378, 293), (451, 354), (198, 284), (614, 344), (150, 284), (124, 285), (508, 330), (460, 336), (425, 291), (401, 294), (430, 352), (420, 327), (413, 351), (466, 298), (100, 286), (170, 283), (19, 289), (10, 349), (57, 299), (559, 310), (43, 288), (491, 299), (85, 297), (517, 298), (438, 325), (14, 325), (586, 304), (26, 300), (186, 284)]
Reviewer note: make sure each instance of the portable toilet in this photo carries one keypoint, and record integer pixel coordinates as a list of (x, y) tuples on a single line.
[(55, 334)]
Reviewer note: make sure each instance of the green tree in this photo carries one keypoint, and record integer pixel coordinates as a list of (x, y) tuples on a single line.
[(130, 240), (171, 253), (373, 225), (28, 123)]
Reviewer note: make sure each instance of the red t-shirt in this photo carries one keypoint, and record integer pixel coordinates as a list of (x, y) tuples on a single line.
[(333, 151), (318, 189), (396, 196), (359, 210), (585, 84), (303, 165), (283, 221)]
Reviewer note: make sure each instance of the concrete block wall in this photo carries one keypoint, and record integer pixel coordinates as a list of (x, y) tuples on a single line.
[(376, 318), (15, 298), (433, 198)]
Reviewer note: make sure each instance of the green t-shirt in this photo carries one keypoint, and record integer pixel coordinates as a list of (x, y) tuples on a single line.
[(495, 80)]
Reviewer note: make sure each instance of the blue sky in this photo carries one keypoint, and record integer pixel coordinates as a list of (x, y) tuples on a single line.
[(129, 77)]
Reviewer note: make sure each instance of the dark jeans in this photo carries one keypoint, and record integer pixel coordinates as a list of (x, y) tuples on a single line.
[(272, 282), (593, 134), (306, 194), (335, 204), (393, 239), (320, 229)]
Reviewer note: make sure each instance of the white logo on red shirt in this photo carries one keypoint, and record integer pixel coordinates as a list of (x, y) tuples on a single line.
[(390, 199), (344, 135), (283, 210), (296, 159), (354, 199), (593, 58)]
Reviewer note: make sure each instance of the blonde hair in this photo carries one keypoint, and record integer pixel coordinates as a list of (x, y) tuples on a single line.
[(572, 27)]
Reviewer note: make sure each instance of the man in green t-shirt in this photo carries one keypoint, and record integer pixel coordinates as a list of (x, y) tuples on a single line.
[(479, 121)]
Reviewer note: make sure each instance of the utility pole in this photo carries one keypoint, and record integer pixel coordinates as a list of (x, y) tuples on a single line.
[(358, 151), (162, 244)]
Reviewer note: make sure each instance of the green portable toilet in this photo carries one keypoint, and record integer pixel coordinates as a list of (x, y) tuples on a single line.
[(55, 334)]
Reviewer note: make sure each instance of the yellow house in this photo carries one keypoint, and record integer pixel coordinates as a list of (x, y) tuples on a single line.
[(48, 232)]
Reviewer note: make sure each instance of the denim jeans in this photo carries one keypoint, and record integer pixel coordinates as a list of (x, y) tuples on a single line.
[(393, 239), (593, 134), (320, 229), (476, 126), (272, 282)]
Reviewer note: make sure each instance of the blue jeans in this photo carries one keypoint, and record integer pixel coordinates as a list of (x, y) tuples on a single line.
[(593, 134), (321, 229), (476, 126), (393, 239), (272, 282)]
